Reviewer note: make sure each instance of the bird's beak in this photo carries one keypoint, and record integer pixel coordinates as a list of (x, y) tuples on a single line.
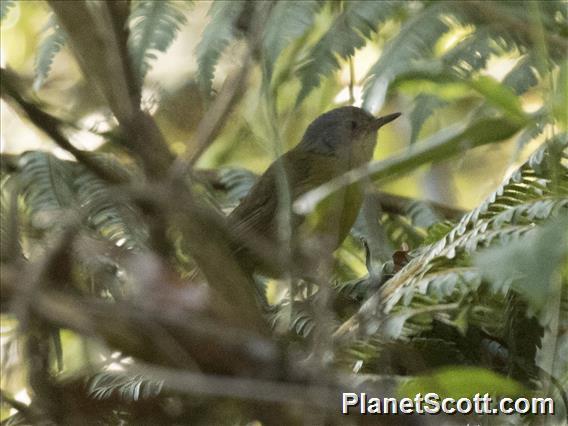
[(381, 121)]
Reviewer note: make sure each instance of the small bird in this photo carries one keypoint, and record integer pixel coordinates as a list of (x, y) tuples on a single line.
[(334, 143)]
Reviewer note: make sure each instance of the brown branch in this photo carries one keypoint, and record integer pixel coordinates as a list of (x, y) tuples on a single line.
[(97, 52), (232, 362), (215, 345), (98, 44), (51, 126), (208, 241), (118, 11), (397, 204)]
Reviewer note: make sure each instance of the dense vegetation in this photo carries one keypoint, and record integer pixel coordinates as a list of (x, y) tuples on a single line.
[(121, 301)]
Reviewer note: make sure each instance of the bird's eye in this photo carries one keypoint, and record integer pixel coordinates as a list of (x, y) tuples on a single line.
[(353, 125)]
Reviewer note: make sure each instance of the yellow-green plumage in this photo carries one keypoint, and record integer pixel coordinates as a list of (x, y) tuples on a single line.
[(333, 144)]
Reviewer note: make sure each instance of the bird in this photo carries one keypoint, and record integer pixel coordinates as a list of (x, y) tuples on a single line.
[(334, 143)]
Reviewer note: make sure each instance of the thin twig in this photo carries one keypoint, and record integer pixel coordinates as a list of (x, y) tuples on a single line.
[(232, 91)]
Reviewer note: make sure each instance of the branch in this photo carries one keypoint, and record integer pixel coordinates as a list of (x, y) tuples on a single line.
[(208, 241), (51, 127), (92, 39), (98, 44), (397, 204), (180, 336)]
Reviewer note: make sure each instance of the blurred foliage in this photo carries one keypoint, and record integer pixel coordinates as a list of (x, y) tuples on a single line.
[(121, 303)]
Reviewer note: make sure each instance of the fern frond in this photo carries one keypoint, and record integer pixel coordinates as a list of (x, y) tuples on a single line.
[(528, 265), (424, 106), (154, 26), (288, 21), (51, 186), (111, 217), (127, 388), (422, 215), (48, 49), (515, 15), (523, 76), (297, 317), (358, 290), (438, 231), (400, 231), (415, 40), (10, 247), (47, 187), (389, 233), (528, 196), (471, 54), (348, 32), (413, 46), (216, 37), (237, 183), (441, 275)]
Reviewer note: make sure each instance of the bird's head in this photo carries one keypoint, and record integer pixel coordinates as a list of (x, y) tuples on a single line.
[(343, 130)]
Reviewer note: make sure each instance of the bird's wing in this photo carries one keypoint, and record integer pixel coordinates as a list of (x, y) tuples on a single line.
[(255, 212)]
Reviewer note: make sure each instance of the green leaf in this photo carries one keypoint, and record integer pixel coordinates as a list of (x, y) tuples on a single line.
[(415, 40), (216, 37), (462, 382), (424, 106), (530, 262), (47, 50), (154, 26), (472, 53), (288, 21), (499, 95), (348, 32)]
